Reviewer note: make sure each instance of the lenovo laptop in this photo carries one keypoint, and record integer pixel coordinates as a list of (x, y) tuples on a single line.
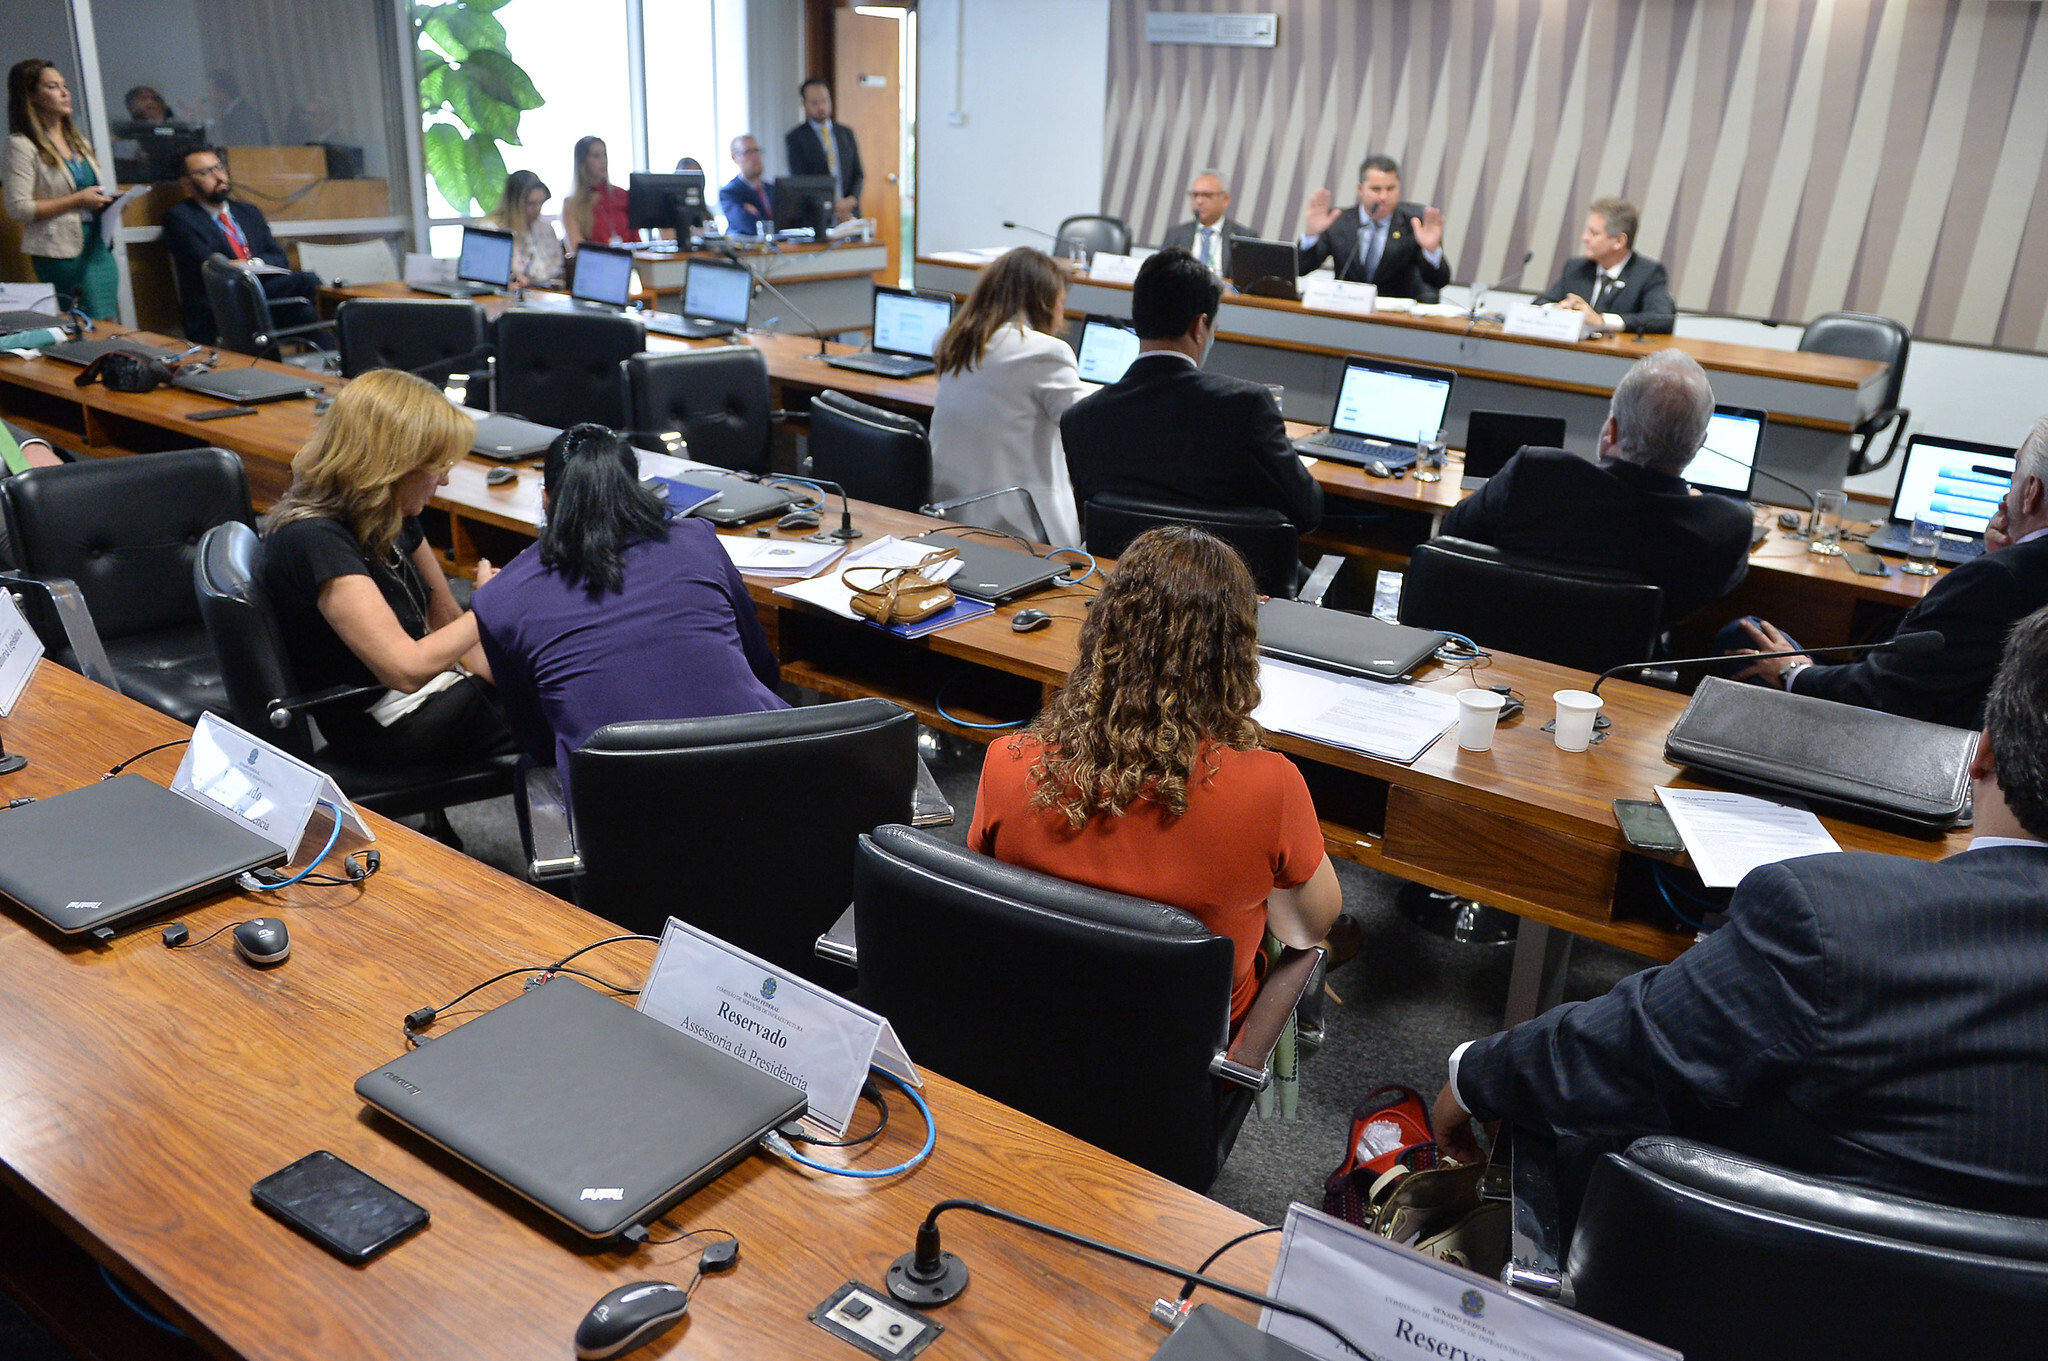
[(484, 266), (1381, 407), (1959, 481), (507, 439), (908, 325), (739, 501), (1351, 644), (249, 386), (1265, 269), (1107, 348), (1726, 462), (990, 573), (603, 282), (83, 352), (1494, 437), (716, 297)]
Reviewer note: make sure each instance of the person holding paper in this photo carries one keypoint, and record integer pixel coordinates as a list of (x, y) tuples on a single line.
[(1614, 288), (211, 221), (1396, 247), (1873, 1018), (1146, 775), (617, 612), (52, 188)]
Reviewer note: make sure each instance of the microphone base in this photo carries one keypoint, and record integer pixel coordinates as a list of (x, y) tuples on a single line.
[(907, 1286)]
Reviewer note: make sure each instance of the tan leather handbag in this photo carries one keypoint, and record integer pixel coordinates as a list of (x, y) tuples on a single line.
[(901, 595)]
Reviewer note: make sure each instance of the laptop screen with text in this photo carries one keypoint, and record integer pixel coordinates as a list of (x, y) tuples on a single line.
[(1961, 482), (603, 274), (486, 257), (1392, 403), (1728, 454), (910, 323), (717, 292), (1106, 351)]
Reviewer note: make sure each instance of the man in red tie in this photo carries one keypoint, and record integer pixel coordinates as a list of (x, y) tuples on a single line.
[(212, 222)]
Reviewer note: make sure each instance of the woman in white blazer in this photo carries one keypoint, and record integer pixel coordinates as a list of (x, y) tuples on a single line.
[(1005, 379), (52, 188)]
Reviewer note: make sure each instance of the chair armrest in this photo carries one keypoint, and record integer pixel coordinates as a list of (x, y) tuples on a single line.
[(929, 806), (1535, 1263), (838, 943), (1247, 1060), (305, 328), (551, 847), (1318, 584), (279, 711), (1899, 417), (55, 609)]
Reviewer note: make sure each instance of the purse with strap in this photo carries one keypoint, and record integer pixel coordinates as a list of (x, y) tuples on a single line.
[(1397, 1183), (901, 595)]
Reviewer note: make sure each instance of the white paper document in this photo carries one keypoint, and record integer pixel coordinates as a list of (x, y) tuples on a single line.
[(1393, 722), (778, 557), (110, 216), (654, 463), (1728, 835), (828, 592)]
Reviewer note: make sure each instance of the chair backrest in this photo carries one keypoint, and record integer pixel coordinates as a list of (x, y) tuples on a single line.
[(1092, 1011), (1862, 335), (876, 455), (1096, 232), (126, 530), (1724, 1257), (240, 309), (228, 576), (1590, 618), (744, 825), (1262, 536), (559, 368), (354, 262), (716, 399), (408, 333)]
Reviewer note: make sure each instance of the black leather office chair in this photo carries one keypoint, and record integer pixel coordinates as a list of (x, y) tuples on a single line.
[(411, 333), (264, 698), (1094, 232), (1723, 1257), (1105, 1015), (1861, 335), (561, 368), (1589, 618), (876, 455), (1260, 534), (126, 531), (744, 825), (715, 399), (242, 311)]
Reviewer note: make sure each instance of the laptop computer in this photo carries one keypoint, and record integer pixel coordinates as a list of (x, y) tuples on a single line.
[(250, 386), (603, 282), (601, 1116), (106, 854), (1265, 269), (83, 352), (908, 325), (1726, 462), (740, 501), (1107, 348), (716, 296), (1381, 407), (990, 573), (484, 265), (507, 439), (1494, 437), (1955, 479), (1352, 644)]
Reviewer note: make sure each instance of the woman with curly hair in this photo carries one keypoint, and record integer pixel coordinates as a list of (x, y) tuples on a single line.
[(1146, 775)]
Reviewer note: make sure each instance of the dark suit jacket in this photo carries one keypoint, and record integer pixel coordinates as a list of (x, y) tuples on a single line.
[(742, 209), (1644, 302), (191, 234), (1183, 236), (1404, 271), (807, 155), (1869, 1017), (1549, 503), (1972, 608), (1170, 430)]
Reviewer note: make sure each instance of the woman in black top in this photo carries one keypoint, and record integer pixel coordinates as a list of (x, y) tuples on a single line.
[(359, 597)]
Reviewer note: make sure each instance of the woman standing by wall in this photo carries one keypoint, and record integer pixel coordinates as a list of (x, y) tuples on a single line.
[(53, 189)]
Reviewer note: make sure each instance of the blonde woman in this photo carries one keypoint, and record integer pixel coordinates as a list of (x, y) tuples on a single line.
[(536, 250), (360, 598), (53, 190), (598, 210)]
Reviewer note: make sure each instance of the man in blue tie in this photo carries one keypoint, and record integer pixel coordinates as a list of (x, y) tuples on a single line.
[(1397, 247), (1208, 237)]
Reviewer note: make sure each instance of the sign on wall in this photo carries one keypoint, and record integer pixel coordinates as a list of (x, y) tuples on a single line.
[(1213, 30)]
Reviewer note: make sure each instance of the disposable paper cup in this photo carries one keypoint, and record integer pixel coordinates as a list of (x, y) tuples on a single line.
[(1576, 710), (1478, 712)]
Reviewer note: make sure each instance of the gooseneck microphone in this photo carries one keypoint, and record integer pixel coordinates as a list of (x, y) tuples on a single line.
[(729, 252), (1813, 497), (846, 533), (1916, 644), (1479, 295), (1035, 231), (930, 1276)]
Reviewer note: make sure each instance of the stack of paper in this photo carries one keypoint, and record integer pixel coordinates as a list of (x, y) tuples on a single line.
[(1728, 835), (656, 464), (829, 593), (1393, 722), (779, 557)]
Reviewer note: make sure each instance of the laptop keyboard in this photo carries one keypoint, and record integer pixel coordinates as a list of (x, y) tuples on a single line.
[(1895, 538), (1350, 444), (889, 365)]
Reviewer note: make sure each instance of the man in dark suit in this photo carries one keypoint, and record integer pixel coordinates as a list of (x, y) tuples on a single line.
[(1631, 510), (1874, 1018), (1396, 247), (1615, 288), (210, 222), (1168, 430), (747, 199), (1208, 237), (1971, 607), (819, 146)]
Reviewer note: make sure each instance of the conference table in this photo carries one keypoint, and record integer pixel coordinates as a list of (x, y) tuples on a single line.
[(146, 1089)]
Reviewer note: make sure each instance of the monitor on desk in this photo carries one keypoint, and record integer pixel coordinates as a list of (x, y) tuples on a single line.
[(909, 322), (486, 257), (604, 274), (715, 290), (1957, 480), (672, 202), (1726, 462), (1391, 403), (1107, 348), (1266, 269), (806, 201)]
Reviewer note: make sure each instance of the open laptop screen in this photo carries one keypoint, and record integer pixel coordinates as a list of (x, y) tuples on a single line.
[(603, 274), (1727, 456), (1390, 402), (717, 292), (1961, 482), (910, 323), (486, 257), (1107, 349)]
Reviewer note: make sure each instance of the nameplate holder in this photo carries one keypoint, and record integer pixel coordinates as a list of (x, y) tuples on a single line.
[(269, 790), (786, 1026), (1104, 268), (1394, 1301), (1540, 322), (20, 650), (1327, 293)]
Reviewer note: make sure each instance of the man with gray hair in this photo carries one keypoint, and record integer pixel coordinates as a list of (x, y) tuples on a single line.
[(1208, 237), (1629, 510)]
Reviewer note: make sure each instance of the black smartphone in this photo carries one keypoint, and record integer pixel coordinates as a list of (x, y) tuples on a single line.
[(347, 1211), (1647, 827), (1866, 564)]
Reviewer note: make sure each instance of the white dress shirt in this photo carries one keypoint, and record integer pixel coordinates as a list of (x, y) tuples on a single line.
[(998, 425), (1611, 321)]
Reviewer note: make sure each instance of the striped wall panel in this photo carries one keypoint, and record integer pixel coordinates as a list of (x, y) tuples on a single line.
[(1790, 157)]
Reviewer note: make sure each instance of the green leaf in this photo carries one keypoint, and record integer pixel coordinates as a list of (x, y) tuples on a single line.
[(487, 6), (434, 77), (498, 76), (486, 171), (473, 30), (439, 28), (448, 164), (480, 113)]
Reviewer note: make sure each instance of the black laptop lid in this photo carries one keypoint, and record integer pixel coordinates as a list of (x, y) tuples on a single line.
[(506, 438), (1354, 644), (990, 573), (250, 385), (83, 352), (1264, 268), (1494, 437), (739, 501)]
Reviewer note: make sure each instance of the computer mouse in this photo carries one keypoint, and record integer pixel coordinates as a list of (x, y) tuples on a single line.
[(798, 519), (628, 1317), (1788, 519), (263, 940), (498, 477), (1029, 621), (1378, 469)]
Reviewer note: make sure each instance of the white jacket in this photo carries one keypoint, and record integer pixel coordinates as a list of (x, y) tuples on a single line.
[(998, 425), (28, 177)]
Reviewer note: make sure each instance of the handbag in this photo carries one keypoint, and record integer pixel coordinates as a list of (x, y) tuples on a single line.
[(901, 595), (1397, 1183)]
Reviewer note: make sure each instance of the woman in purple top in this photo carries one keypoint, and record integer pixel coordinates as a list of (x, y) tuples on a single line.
[(617, 613)]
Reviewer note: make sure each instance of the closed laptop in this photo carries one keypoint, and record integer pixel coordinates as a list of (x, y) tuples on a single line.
[(1353, 644), (508, 439)]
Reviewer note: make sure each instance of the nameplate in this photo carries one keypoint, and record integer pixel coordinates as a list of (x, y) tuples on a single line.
[(428, 269), (1104, 268), (1399, 1304), (1327, 293), (1540, 322), (271, 791), (788, 1027), (20, 650), (29, 298)]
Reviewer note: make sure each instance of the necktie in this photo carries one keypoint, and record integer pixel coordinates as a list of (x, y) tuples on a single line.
[(831, 152), (236, 240), (11, 456), (1209, 247), (1374, 240)]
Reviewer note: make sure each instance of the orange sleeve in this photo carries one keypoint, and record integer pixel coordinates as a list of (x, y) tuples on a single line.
[(1002, 776), (1298, 836)]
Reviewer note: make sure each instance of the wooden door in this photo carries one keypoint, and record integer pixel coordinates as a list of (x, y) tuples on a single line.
[(867, 96)]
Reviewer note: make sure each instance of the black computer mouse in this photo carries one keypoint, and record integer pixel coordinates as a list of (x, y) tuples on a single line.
[(498, 477), (1378, 469), (628, 1317), (263, 940), (798, 519), (1788, 519), (1029, 621)]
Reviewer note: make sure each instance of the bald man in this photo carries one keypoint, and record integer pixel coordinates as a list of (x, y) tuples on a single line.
[(1208, 237)]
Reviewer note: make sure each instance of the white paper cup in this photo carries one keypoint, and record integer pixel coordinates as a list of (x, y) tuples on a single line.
[(1576, 710), (1478, 712)]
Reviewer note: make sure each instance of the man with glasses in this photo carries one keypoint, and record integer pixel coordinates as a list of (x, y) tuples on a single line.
[(212, 222), (1208, 237)]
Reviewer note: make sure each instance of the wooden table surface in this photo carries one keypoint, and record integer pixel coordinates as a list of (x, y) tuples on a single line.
[(144, 1090)]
